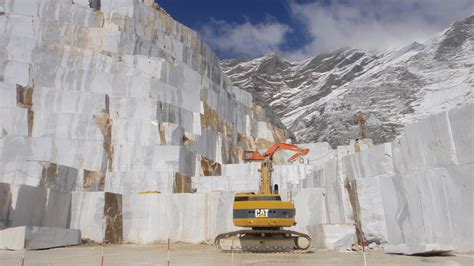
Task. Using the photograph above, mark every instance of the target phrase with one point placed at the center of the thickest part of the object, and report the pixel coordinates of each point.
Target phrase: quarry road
(200, 254)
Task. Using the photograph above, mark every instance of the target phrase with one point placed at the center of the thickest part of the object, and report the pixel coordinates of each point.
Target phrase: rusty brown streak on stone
(104, 122)
(105, 125)
(24, 99)
(351, 188)
(161, 128)
(31, 119)
(94, 180)
(210, 167)
(48, 173)
(182, 183)
(113, 218)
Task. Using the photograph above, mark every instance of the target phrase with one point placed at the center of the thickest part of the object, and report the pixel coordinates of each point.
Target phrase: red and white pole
(363, 251)
(169, 252)
(102, 255)
(23, 253)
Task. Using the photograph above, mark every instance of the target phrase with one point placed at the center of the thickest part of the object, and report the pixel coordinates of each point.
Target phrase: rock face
(110, 96)
(317, 99)
(115, 96)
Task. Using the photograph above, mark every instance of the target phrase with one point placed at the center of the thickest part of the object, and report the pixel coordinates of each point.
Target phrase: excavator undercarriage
(263, 241)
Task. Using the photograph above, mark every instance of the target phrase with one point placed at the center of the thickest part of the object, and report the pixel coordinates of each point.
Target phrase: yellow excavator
(264, 213)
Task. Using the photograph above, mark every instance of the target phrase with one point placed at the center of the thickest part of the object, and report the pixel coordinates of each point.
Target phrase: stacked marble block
(35, 217)
(415, 194)
(185, 217)
(98, 215)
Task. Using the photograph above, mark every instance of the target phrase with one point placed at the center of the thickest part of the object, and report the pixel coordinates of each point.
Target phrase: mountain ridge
(317, 98)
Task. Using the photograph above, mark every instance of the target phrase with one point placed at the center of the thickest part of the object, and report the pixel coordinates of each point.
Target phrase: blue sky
(303, 28)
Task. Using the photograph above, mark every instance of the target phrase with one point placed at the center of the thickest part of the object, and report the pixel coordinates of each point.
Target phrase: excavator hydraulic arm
(257, 156)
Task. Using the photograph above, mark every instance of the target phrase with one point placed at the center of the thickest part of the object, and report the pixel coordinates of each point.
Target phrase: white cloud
(246, 38)
(367, 24)
(374, 24)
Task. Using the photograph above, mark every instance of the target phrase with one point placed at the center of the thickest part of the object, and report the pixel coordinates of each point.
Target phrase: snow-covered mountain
(317, 99)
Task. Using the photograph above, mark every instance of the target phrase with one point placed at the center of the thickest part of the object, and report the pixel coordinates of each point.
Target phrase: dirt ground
(186, 254)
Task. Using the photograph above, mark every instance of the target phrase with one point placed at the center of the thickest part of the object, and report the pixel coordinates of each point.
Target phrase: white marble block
(338, 237)
(371, 211)
(220, 214)
(98, 215)
(461, 121)
(34, 237)
(416, 212)
(157, 217)
(27, 205)
(310, 207)
(429, 143)
(206, 184)
(459, 185)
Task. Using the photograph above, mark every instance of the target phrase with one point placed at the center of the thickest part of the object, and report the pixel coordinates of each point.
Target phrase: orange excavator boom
(256, 156)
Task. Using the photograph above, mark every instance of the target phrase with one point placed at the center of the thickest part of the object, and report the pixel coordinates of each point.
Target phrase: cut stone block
(459, 184)
(27, 206)
(462, 128)
(310, 207)
(314, 180)
(220, 214)
(339, 237)
(416, 210)
(429, 143)
(289, 176)
(98, 215)
(205, 184)
(141, 181)
(369, 163)
(33, 237)
(319, 152)
(157, 217)
(5, 201)
(334, 204)
(371, 210)
(56, 210)
(23, 205)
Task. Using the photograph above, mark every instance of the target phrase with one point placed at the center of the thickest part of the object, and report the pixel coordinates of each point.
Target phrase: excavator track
(263, 241)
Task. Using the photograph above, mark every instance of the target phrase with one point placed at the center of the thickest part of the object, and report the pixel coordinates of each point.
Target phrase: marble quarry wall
(118, 124)
(123, 99)
(116, 97)
(416, 193)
